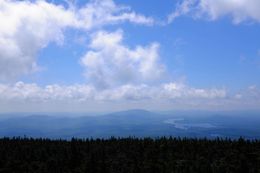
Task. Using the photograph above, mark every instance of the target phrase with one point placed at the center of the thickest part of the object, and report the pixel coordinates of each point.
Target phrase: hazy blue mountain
(139, 123)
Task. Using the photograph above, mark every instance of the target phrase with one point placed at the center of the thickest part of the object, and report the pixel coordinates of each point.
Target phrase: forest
(129, 155)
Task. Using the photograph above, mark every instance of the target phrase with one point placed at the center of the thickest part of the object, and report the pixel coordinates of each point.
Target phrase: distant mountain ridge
(132, 112)
(135, 122)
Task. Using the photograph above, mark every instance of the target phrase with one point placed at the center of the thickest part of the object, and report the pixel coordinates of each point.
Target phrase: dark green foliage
(165, 155)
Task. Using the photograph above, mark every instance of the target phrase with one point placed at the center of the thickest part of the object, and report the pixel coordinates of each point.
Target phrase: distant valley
(138, 123)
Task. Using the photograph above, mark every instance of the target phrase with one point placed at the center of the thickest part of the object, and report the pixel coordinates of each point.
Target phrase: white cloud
(249, 97)
(97, 13)
(111, 63)
(166, 96)
(238, 10)
(33, 92)
(238, 96)
(176, 90)
(182, 8)
(252, 87)
(76, 92)
(27, 27)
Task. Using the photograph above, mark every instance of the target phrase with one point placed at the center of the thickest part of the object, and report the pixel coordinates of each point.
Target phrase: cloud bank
(84, 97)
(87, 96)
(31, 91)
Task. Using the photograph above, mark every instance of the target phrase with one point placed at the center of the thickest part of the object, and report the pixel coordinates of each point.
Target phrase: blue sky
(113, 55)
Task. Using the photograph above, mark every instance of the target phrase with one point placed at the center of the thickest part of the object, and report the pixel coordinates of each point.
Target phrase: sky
(110, 55)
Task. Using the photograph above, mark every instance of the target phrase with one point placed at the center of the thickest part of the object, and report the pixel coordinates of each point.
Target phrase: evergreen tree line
(129, 155)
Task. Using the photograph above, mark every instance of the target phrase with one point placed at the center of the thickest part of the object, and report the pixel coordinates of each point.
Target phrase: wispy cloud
(182, 8)
(238, 10)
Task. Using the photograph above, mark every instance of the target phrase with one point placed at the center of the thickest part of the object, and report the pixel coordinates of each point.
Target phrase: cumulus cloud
(238, 10)
(176, 90)
(32, 97)
(33, 92)
(111, 63)
(27, 27)
(22, 96)
(116, 72)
